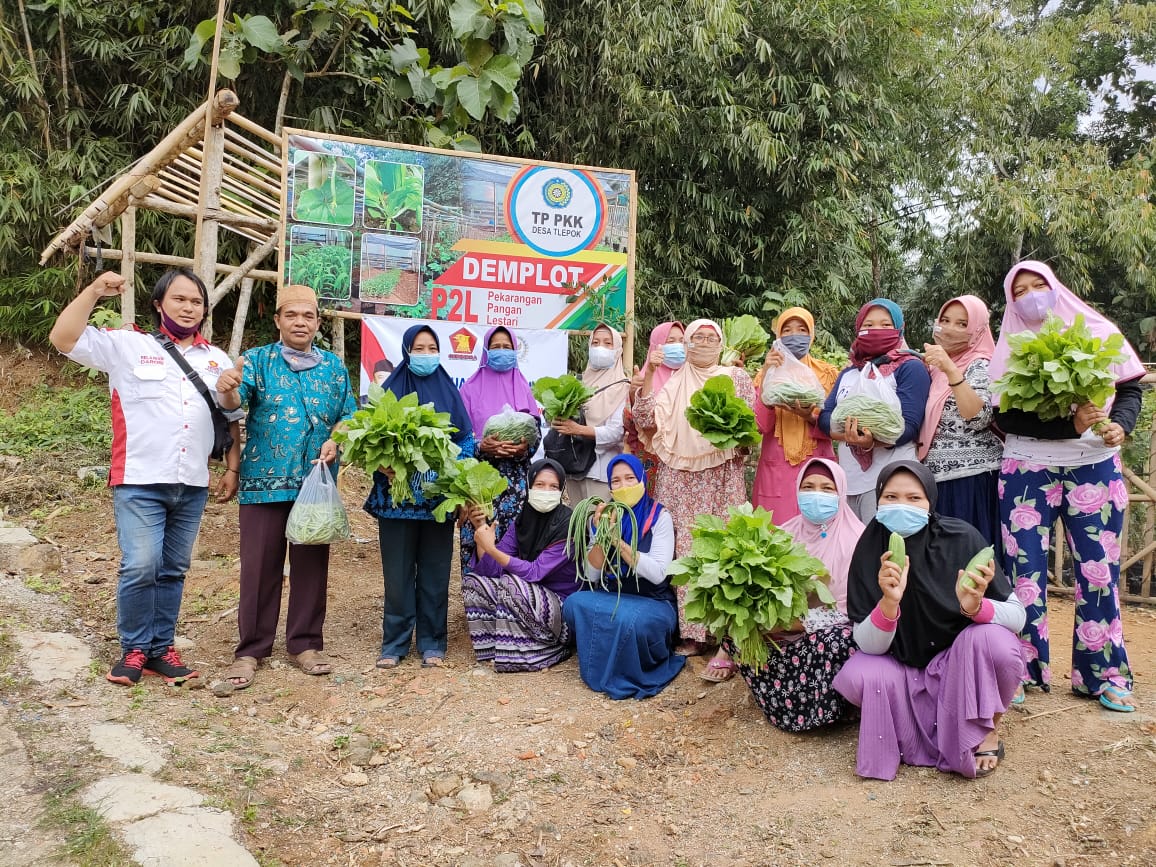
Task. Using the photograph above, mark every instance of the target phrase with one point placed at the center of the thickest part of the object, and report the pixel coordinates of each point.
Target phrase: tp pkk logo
(555, 212)
(463, 342)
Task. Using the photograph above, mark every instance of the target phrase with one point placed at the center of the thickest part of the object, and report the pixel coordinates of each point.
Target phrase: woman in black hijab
(936, 673)
(515, 586)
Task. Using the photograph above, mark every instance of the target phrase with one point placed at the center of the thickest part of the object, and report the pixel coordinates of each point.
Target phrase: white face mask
(543, 501)
(601, 358)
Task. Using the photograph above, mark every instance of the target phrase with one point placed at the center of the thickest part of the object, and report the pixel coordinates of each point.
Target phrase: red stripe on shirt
(119, 442)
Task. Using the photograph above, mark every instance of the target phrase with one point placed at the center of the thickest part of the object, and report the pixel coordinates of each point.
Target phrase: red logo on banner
(497, 271)
(462, 343)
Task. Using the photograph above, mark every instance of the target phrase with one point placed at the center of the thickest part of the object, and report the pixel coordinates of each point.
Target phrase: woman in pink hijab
(1067, 468)
(794, 687)
(956, 441)
(666, 355)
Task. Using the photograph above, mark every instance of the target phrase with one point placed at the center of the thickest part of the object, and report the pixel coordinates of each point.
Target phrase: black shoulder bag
(575, 454)
(222, 439)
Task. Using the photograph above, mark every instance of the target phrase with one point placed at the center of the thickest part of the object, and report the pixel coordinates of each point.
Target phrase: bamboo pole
(254, 258)
(338, 328)
(156, 203)
(128, 265)
(207, 237)
(256, 129)
(1150, 523)
(179, 261)
(242, 314)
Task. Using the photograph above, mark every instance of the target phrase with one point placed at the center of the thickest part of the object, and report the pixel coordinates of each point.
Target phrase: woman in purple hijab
(496, 386)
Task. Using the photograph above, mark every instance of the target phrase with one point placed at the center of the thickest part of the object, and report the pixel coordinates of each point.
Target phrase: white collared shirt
(162, 431)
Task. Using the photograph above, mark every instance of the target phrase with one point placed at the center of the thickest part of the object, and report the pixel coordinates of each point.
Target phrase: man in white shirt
(162, 437)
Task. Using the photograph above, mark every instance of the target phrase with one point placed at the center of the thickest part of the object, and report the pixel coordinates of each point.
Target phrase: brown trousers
(262, 530)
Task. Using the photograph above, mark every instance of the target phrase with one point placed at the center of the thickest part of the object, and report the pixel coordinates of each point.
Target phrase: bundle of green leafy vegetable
(743, 337)
(1054, 370)
(511, 426)
(884, 421)
(746, 578)
(790, 393)
(317, 523)
(561, 397)
(464, 483)
(723, 419)
(402, 435)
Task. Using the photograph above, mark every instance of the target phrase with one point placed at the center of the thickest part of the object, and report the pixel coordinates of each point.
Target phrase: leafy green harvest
(585, 533)
(724, 420)
(400, 435)
(790, 393)
(743, 337)
(561, 396)
(511, 426)
(1052, 371)
(746, 577)
(466, 482)
(883, 421)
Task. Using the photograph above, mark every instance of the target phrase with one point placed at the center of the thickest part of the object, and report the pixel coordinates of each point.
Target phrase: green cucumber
(898, 550)
(983, 558)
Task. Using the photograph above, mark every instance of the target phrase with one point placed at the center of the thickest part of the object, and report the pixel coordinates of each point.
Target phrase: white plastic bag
(318, 517)
(792, 383)
(874, 402)
(512, 426)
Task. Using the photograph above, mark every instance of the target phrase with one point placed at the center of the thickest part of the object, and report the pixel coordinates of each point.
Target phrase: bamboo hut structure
(217, 169)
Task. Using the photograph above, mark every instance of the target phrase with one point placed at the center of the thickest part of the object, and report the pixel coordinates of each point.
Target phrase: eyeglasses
(705, 341)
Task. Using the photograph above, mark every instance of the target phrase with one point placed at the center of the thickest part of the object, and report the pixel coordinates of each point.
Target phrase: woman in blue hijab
(626, 625)
(415, 549)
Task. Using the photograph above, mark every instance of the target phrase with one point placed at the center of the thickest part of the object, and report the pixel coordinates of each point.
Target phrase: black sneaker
(127, 672)
(169, 666)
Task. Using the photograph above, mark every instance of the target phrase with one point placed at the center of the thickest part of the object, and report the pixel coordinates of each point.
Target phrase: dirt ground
(694, 776)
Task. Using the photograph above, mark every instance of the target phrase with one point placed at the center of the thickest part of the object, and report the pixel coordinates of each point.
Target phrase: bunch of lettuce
(401, 435)
(464, 483)
(1054, 370)
(743, 337)
(884, 421)
(561, 397)
(746, 578)
(723, 419)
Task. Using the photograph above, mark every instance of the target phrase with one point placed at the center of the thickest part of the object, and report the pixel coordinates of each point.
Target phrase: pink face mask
(1033, 307)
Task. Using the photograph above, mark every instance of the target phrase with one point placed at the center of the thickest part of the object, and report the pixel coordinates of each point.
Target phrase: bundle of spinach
(747, 578)
(723, 419)
(743, 337)
(1054, 370)
(561, 397)
(400, 435)
(464, 483)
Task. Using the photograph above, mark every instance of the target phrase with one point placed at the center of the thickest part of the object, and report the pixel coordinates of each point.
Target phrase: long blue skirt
(628, 652)
(974, 499)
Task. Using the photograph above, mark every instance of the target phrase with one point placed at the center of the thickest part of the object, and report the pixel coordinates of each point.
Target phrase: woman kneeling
(514, 590)
(935, 677)
(625, 625)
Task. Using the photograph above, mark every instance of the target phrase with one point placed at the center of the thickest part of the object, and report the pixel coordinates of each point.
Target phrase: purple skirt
(936, 716)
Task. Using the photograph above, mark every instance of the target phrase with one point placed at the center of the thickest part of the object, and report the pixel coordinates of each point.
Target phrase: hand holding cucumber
(893, 567)
(973, 580)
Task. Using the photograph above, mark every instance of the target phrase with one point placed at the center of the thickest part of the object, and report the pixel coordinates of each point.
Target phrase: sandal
(1020, 697)
(433, 660)
(1117, 698)
(718, 670)
(387, 662)
(314, 662)
(243, 669)
(997, 754)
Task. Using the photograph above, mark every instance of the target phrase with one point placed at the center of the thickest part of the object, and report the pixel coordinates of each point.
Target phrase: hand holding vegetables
(972, 581)
(571, 428)
(893, 568)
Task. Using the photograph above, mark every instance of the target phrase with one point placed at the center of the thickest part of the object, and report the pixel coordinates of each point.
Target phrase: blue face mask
(424, 365)
(797, 344)
(902, 519)
(502, 360)
(818, 507)
(673, 355)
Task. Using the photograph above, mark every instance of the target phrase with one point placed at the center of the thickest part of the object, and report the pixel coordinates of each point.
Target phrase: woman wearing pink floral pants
(1067, 468)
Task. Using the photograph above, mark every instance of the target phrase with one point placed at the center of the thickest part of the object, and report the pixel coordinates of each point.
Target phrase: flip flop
(718, 671)
(997, 754)
(1120, 695)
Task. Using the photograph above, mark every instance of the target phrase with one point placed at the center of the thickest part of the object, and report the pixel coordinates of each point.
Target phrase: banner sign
(540, 353)
(397, 230)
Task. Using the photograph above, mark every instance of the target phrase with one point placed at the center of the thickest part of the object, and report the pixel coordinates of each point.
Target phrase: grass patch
(88, 840)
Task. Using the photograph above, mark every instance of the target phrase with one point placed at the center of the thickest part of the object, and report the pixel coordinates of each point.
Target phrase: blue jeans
(156, 526)
(415, 563)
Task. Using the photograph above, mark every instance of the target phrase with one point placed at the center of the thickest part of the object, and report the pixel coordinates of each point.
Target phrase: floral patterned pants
(1091, 501)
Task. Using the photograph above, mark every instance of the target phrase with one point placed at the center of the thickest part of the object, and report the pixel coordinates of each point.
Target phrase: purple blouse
(552, 569)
